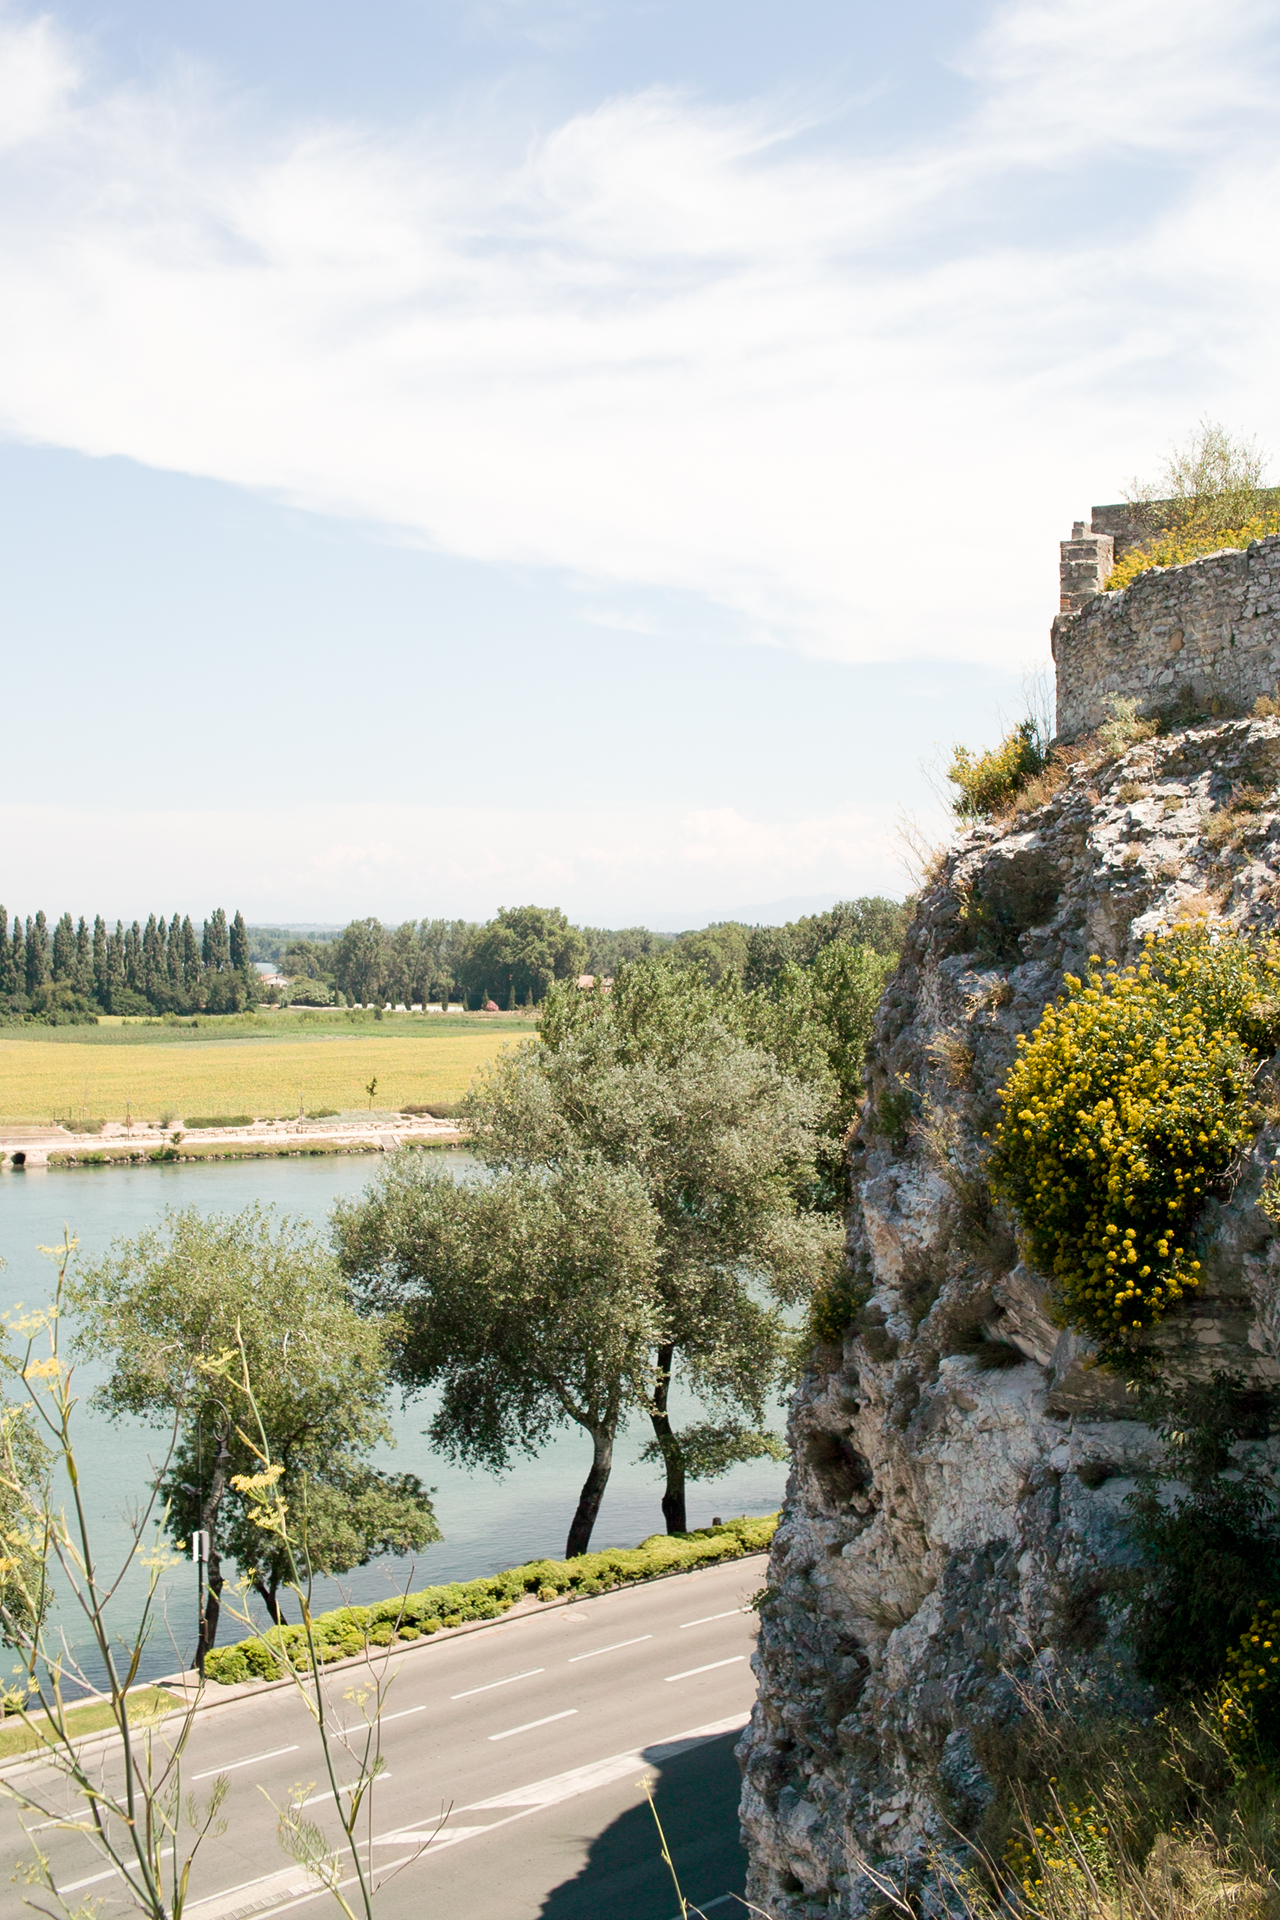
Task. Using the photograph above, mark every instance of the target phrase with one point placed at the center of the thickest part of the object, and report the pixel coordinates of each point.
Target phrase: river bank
(32, 1148)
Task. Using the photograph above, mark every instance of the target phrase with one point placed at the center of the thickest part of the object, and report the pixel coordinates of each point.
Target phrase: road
(530, 1737)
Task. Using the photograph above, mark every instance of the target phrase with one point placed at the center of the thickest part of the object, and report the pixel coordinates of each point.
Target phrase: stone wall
(959, 1478)
(1210, 630)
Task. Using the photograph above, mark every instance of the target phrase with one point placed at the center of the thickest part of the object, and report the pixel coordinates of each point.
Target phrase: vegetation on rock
(1123, 1109)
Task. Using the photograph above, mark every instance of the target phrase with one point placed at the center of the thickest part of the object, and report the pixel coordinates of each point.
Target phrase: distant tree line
(74, 972)
(513, 960)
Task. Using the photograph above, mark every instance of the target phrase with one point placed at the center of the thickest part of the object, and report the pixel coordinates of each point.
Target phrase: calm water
(488, 1522)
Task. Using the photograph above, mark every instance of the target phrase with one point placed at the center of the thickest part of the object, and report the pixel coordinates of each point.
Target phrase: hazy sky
(456, 454)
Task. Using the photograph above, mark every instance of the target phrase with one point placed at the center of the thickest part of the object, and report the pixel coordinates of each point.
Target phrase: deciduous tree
(158, 1306)
(657, 1078)
(530, 1300)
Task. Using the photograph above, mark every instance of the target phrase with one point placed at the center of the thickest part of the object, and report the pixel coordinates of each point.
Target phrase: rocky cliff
(959, 1469)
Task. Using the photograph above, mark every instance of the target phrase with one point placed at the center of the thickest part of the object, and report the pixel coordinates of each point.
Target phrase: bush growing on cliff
(1123, 1109)
(1211, 494)
(988, 783)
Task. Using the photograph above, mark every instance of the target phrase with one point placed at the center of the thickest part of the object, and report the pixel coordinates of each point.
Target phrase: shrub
(1207, 1531)
(347, 1630)
(989, 782)
(1191, 542)
(1121, 1112)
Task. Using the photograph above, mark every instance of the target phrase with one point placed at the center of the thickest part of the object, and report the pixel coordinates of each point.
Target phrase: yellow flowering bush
(1122, 1109)
(1249, 1697)
(1073, 1848)
(1188, 542)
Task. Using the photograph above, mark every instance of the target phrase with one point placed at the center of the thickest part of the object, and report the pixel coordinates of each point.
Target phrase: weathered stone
(948, 1528)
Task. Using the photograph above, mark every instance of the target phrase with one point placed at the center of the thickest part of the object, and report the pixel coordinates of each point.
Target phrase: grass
(267, 1074)
(16, 1738)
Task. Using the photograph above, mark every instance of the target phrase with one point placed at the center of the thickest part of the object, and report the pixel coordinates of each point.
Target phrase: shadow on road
(696, 1794)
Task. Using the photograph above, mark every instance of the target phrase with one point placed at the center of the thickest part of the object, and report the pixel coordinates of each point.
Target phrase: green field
(264, 1066)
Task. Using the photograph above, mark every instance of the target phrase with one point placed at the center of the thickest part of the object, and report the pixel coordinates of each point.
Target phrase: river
(488, 1521)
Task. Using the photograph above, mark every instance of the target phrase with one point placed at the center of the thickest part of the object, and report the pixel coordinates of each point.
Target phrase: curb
(259, 1689)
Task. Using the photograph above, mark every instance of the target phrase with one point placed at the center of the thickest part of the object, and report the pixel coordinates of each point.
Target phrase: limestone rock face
(959, 1469)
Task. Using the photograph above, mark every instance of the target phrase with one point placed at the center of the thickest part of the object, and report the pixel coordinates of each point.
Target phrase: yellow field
(45, 1080)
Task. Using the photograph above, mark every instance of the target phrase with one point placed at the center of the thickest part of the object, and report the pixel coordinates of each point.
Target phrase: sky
(460, 454)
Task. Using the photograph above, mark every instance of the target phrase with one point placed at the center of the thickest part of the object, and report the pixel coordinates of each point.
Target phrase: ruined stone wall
(959, 1472)
(1210, 629)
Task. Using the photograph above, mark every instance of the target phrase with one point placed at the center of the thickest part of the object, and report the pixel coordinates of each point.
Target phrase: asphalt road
(528, 1740)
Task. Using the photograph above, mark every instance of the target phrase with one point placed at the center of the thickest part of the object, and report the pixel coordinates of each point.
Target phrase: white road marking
(709, 1668)
(404, 1713)
(351, 1788)
(595, 1651)
(489, 1685)
(529, 1725)
(706, 1620)
(112, 1873)
(295, 1891)
(252, 1761)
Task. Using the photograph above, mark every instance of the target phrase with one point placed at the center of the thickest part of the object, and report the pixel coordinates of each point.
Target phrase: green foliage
(716, 950)
(711, 1450)
(657, 1078)
(1210, 495)
(345, 1630)
(836, 1306)
(520, 953)
(164, 1307)
(24, 1468)
(989, 782)
(529, 1299)
(1211, 1548)
(1122, 1110)
(817, 1021)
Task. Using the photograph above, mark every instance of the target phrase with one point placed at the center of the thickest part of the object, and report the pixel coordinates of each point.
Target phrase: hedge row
(349, 1630)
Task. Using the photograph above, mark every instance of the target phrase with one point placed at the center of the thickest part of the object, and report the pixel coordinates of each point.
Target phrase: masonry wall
(1210, 628)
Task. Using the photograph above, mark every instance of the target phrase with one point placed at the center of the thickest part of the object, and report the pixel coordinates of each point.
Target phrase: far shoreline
(36, 1149)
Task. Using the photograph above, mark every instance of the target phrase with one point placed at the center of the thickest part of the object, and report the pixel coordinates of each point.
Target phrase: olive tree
(165, 1308)
(656, 1078)
(530, 1300)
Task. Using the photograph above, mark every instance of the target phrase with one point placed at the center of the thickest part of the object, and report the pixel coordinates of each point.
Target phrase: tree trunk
(268, 1596)
(212, 1604)
(673, 1506)
(592, 1492)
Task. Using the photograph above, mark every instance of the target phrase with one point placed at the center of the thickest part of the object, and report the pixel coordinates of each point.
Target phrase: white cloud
(328, 861)
(850, 396)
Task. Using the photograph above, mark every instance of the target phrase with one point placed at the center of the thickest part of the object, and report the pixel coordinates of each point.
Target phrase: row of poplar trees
(72, 970)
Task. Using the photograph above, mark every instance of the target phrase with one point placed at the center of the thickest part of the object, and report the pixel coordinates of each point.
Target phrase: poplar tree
(239, 944)
(18, 957)
(64, 949)
(116, 980)
(83, 974)
(190, 956)
(8, 981)
(101, 975)
(133, 958)
(153, 967)
(173, 954)
(37, 952)
(215, 947)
